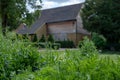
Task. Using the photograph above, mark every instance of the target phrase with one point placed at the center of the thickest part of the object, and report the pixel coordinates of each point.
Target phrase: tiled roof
(59, 14)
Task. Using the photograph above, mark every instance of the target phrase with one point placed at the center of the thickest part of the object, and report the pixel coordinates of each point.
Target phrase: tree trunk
(4, 24)
(4, 6)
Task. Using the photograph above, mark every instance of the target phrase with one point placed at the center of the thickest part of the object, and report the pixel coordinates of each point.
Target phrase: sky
(46, 4)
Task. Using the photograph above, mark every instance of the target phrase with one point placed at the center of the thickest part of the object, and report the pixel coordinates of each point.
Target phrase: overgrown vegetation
(49, 42)
(88, 48)
(66, 44)
(35, 38)
(72, 65)
(15, 12)
(16, 57)
(50, 39)
(19, 61)
(43, 39)
(99, 40)
(102, 16)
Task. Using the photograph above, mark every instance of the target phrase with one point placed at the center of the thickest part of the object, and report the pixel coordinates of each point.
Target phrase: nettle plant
(16, 57)
(87, 47)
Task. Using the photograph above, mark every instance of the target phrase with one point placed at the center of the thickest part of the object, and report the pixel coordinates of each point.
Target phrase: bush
(99, 40)
(15, 58)
(27, 75)
(50, 39)
(42, 44)
(80, 44)
(23, 62)
(35, 38)
(69, 65)
(55, 46)
(42, 39)
(66, 44)
(11, 35)
(49, 45)
(87, 47)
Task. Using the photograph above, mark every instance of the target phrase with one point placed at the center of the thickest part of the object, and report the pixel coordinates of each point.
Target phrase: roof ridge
(63, 6)
(64, 13)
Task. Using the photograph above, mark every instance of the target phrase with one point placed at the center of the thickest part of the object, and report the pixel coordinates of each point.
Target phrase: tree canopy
(14, 12)
(103, 17)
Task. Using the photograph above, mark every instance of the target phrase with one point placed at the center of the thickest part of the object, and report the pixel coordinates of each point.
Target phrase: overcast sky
(57, 3)
(46, 4)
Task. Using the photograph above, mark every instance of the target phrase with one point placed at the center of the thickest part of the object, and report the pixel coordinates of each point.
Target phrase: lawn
(112, 54)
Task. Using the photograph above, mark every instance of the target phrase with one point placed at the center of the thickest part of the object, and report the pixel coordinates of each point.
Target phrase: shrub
(69, 65)
(25, 37)
(80, 44)
(87, 47)
(22, 37)
(49, 45)
(27, 75)
(15, 58)
(66, 44)
(50, 39)
(23, 62)
(55, 46)
(35, 38)
(11, 35)
(42, 39)
(99, 40)
(42, 44)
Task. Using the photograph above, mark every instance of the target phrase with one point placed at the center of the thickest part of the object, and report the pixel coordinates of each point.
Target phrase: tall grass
(19, 61)
(74, 65)
(16, 57)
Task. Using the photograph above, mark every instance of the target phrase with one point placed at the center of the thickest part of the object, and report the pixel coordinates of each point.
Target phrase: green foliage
(55, 46)
(35, 38)
(103, 17)
(66, 44)
(11, 35)
(49, 45)
(42, 45)
(88, 48)
(42, 39)
(70, 65)
(80, 44)
(99, 40)
(25, 76)
(15, 12)
(16, 57)
(23, 62)
(50, 39)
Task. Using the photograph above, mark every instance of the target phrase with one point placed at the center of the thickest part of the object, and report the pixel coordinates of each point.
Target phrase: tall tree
(103, 17)
(14, 11)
